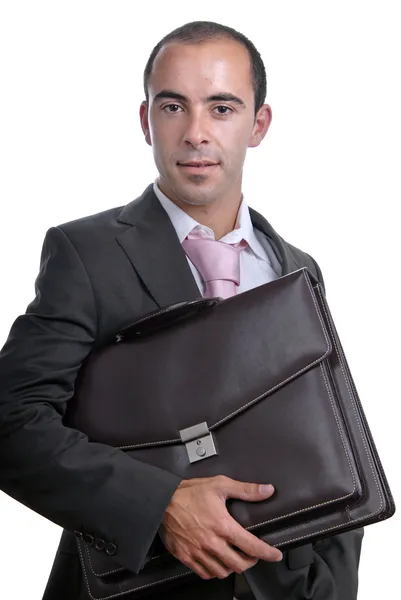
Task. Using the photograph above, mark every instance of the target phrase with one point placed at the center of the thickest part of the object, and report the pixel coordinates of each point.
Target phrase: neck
(220, 216)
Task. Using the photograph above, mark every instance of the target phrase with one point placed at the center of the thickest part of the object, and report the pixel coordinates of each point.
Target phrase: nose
(197, 132)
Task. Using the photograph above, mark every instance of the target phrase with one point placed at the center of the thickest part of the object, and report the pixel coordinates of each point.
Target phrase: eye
(223, 110)
(171, 108)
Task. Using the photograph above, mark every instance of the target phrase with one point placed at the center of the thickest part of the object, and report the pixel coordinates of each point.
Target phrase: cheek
(235, 139)
(235, 148)
(163, 138)
(163, 154)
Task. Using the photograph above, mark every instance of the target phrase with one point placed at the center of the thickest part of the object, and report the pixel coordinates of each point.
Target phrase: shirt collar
(184, 224)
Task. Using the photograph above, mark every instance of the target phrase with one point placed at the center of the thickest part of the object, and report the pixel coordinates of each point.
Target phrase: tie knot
(217, 262)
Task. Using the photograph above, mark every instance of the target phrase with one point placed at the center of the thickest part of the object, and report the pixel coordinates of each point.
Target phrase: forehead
(201, 68)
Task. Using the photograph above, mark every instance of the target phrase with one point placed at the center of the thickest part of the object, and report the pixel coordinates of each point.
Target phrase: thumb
(251, 492)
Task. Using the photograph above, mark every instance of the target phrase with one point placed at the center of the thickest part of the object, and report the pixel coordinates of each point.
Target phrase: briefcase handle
(164, 317)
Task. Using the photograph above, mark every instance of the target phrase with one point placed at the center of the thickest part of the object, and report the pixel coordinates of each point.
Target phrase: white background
(326, 176)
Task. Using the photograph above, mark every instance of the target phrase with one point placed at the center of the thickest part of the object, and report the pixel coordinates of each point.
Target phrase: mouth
(198, 166)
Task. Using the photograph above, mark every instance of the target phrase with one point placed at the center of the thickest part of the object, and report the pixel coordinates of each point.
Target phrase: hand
(198, 529)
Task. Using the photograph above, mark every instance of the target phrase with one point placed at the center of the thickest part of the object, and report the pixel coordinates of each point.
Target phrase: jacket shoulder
(303, 259)
(285, 251)
(94, 233)
(103, 219)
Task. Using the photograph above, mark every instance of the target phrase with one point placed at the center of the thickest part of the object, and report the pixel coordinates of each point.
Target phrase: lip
(198, 163)
(198, 167)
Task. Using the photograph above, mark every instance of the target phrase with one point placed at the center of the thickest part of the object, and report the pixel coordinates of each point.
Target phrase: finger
(215, 566)
(250, 492)
(195, 565)
(198, 568)
(235, 559)
(230, 558)
(251, 545)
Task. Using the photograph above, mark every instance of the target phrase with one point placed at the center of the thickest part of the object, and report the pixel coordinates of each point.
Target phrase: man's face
(200, 119)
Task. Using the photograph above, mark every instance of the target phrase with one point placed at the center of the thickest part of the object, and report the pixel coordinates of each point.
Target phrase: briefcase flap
(208, 368)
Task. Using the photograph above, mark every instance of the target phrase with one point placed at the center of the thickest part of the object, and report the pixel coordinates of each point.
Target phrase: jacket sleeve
(54, 470)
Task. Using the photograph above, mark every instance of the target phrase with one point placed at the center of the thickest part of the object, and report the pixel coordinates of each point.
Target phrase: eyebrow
(222, 97)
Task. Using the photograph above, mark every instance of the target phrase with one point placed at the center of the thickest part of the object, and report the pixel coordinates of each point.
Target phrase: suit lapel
(280, 248)
(152, 246)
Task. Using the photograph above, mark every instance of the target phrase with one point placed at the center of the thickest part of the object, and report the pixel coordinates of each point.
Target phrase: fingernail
(279, 558)
(266, 489)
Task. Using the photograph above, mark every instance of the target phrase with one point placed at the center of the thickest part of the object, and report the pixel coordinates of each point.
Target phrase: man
(205, 89)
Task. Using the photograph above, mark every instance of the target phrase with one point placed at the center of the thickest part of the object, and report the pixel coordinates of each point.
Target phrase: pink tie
(217, 262)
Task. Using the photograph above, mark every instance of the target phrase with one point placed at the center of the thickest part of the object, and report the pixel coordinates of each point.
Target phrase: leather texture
(266, 371)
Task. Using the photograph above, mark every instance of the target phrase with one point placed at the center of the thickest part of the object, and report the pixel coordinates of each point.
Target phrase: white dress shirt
(255, 267)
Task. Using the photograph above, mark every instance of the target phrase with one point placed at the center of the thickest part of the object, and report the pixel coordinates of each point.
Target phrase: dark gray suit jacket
(97, 275)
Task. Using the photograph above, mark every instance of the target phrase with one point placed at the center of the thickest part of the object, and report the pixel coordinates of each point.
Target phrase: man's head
(205, 86)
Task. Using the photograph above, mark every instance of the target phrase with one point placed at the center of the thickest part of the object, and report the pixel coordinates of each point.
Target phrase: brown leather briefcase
(255, 387)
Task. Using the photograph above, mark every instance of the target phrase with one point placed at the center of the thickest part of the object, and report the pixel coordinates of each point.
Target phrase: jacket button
(99, 544)
(89, 539)
(111, 549)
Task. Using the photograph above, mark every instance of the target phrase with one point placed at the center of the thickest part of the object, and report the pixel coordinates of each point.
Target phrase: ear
(143, 114)
(262, 123)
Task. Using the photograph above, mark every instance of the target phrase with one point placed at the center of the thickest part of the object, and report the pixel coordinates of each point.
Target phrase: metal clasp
(198, 441)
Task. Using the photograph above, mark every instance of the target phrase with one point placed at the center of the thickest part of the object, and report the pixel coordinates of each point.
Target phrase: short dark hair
(203, 31)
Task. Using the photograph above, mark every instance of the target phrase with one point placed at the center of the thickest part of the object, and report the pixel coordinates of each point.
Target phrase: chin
(197, 197)
(199, 201)
(195, 191)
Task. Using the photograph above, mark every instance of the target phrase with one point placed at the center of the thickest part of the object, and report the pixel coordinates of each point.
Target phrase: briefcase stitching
(326, 501)
(135, 589)
(251, 527)
(353, 404)
(361, 432)
(118, 570)
(362, 436)
(235, 412)
(248, 528)
(251, 402)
